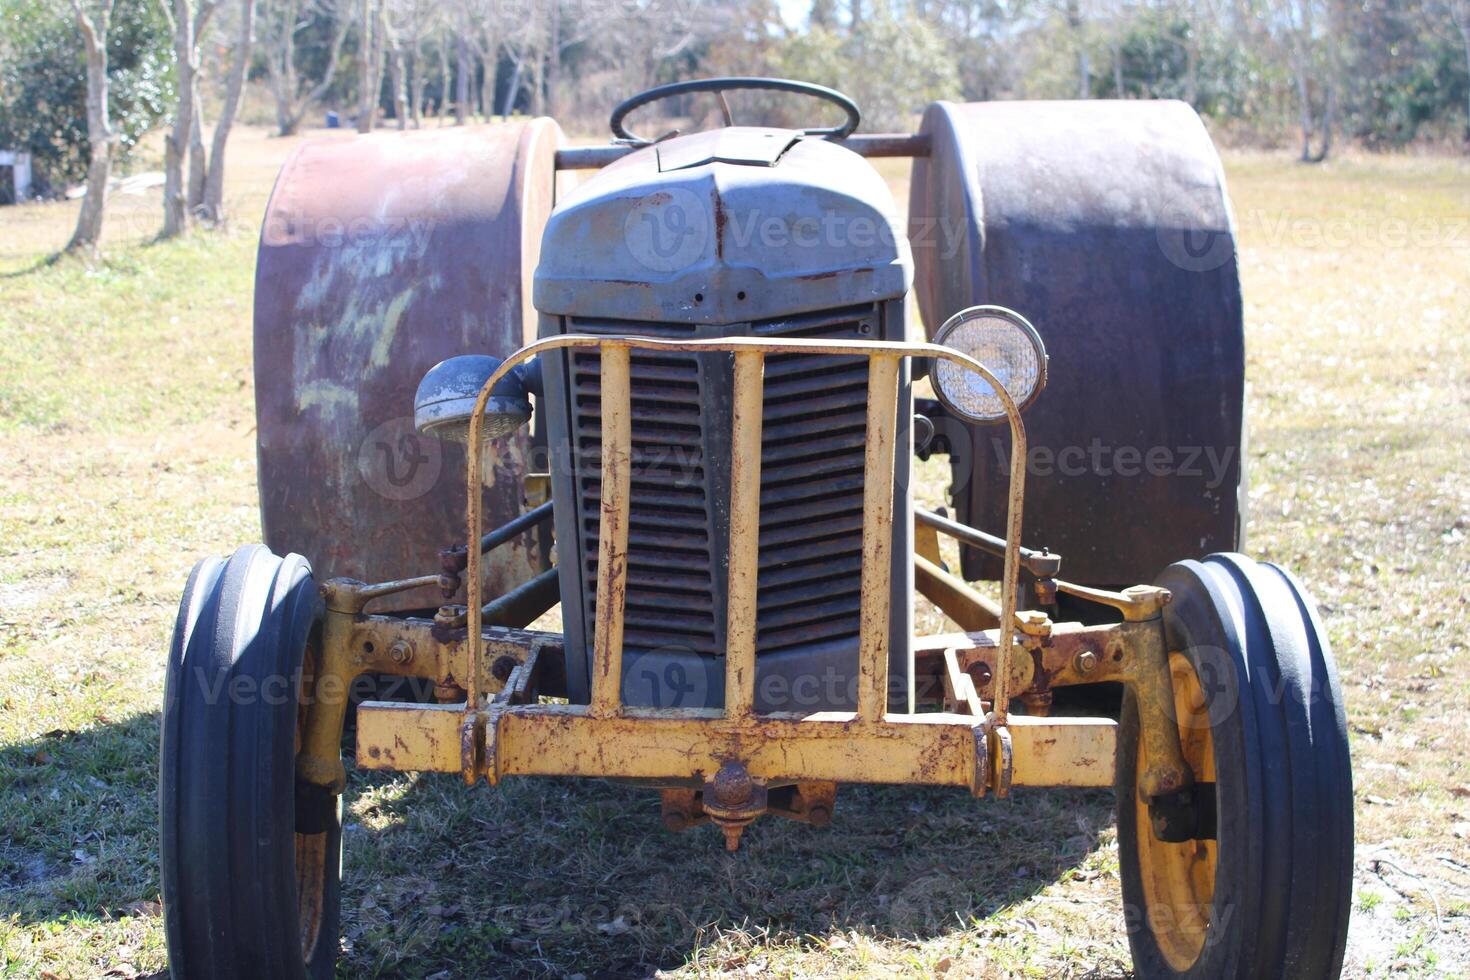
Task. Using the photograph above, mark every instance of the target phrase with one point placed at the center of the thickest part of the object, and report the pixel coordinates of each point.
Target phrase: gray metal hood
(726, 226)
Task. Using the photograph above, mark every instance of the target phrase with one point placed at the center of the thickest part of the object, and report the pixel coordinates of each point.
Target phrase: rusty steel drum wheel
(379, 257)
(1261, 884)
(251, 868)
(1107, 224)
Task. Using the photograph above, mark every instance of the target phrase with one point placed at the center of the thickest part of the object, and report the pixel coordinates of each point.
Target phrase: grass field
(126, 430)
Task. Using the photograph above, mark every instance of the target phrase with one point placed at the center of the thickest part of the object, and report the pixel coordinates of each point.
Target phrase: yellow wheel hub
(1179, 879)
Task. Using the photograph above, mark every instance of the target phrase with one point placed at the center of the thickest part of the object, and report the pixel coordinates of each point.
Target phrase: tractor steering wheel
(722, 85)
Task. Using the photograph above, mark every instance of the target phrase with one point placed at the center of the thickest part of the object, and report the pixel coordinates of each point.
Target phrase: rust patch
(721, 219)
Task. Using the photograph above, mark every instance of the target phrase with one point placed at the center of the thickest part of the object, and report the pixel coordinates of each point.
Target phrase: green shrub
(43, 83)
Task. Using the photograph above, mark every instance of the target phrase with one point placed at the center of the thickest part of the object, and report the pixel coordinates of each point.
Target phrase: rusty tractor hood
(726, 226)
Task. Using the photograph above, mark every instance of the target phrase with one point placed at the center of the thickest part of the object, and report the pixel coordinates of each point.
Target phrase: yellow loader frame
(732, 764)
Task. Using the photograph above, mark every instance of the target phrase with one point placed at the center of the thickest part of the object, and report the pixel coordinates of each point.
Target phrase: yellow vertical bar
(612, 532)
(877, 537)
(745, 510)
(1000, 706)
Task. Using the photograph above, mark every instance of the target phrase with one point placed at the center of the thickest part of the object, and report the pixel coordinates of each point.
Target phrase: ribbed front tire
(1261, 722)
(245, 894)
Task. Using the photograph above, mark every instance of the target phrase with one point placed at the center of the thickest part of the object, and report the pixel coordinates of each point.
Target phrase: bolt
(980, 674)
(732, 831)
(401, 652)
(1086, 662)
(1037, 703)
(1034, 623)
(448, 586)
(733, 786)
(454, 559)
(502, 667)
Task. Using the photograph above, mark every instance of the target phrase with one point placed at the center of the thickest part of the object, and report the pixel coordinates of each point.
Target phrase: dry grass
(126, 423)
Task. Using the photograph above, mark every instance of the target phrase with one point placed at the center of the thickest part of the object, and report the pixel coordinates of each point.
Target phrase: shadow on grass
(551, 877)
(78, 830)
(99, 256)
(44, 262)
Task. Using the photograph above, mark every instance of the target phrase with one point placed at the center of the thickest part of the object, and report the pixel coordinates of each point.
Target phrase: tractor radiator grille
(814, 426)
(671, 601)
(812, 434)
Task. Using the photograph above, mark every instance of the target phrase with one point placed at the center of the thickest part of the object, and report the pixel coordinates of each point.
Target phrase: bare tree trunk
(286, 122)
(1329, 110)
(198, 159)
(444, 76)
(1334, 80)
(1460, 14)
(461, 80)
(1304, 110)
(508, 105)
(538, 83)
(398, 83)
(1325, 146)
(1191, 58)
(370, 63)
(417, 79)
(94, 28)
(187, 26)
(214, 185)
(279, 40)
(553, 60)
(1084, 67)
(1300, 67)
(487, 86)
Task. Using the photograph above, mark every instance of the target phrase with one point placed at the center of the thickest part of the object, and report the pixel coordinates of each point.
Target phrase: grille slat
(786, 638)
(842, 402)
(788, 370)
(806, 514)
(810, 530)
(799, 573)
(773, 498)
(784, 445)
(642, 616)
(806, 470)
(677, 561)
(664, 542)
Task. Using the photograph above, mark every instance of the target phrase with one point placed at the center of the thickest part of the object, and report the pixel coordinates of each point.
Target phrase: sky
(794, 11)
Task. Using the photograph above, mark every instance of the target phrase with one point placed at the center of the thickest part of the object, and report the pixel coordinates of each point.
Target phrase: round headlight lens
(1006, 345)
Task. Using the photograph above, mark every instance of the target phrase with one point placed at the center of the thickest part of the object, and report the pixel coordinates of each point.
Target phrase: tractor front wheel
(250, 866)
(1260, 884)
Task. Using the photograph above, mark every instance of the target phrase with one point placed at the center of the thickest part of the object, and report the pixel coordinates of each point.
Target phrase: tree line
(81, 82)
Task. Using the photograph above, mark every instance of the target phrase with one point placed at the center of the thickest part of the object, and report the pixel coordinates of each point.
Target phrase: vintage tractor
(711, 337)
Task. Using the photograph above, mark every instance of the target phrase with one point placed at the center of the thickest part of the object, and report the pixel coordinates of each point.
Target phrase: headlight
(446, 399)
(1006, 345)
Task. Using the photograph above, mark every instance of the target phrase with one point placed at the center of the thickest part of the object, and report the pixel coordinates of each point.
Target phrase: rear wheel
(250, 867)
(1262, 888)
